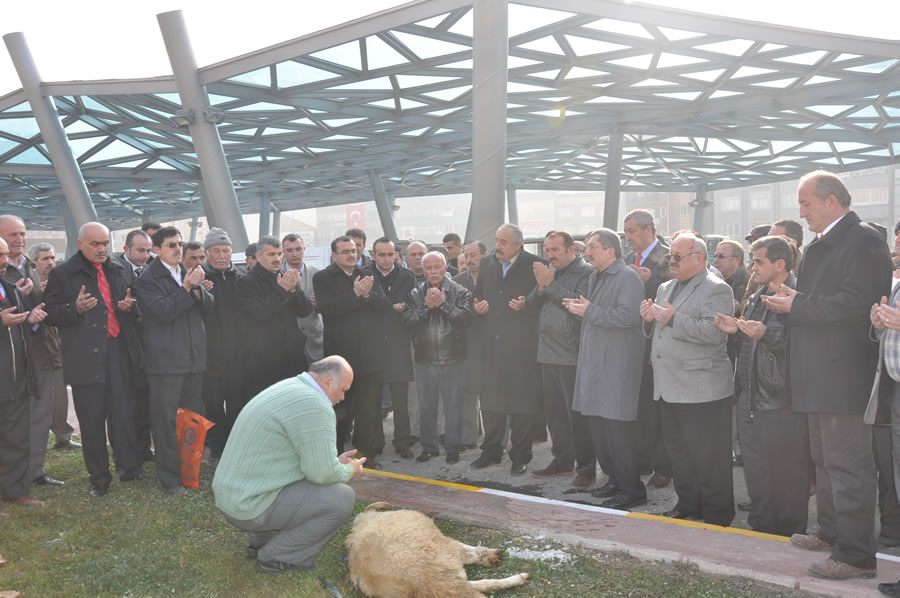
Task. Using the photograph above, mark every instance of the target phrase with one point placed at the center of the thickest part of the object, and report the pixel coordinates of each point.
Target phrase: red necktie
(637, 260)
(112, 324)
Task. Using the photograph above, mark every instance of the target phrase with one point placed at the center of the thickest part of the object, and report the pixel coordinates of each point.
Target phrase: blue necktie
(506, 267)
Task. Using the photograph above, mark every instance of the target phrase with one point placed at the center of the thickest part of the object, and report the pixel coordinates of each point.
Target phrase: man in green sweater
(280, 478)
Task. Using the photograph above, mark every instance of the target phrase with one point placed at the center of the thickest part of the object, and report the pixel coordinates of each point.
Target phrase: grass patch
(138, 541)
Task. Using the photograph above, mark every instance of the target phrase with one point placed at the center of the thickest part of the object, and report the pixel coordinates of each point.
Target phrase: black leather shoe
(143, 476)
(99, 490)
(624, 501)
(149, 457)
(278, 567)
(405, 453)
(676, 514)
(890, 589)
(371, 463)
(251, 551)
(518, 469)
(46, 480)
(452, 458)
(485, 461)
(426, 456)
(551, 470)
(607, 490)
(66, 445)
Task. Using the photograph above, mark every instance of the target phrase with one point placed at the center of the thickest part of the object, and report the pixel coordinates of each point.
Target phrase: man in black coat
(511, 382)
(472, 255)
(352, 308)
(648, 259)
(396, 282)
(16, 324)
(272, 302)
(224, 393)
(831, 365)
(86, 298)
(173, 303)
(135, 259)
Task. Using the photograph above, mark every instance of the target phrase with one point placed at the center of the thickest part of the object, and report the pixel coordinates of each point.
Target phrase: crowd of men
(662, 361)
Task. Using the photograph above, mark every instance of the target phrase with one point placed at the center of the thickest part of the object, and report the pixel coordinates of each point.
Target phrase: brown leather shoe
(811, 542)
(658, 480)
(832, 569)
(551, 470)
(27, 501)
(584, 480)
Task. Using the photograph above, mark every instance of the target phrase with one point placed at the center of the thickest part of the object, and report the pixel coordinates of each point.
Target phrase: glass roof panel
(468, 64)
(676, 35)
(29, 156)
(340, 122)
(732, 47)
(806, 59)
(816, 147)
(433, 22)
(584, 46)
(80, 146)
(681, 95)
(546, 45)
(875, 68)
(722, 93)
(160, 165)
(260, 107)
(819, 79)
(170, 97)
(779, 83)
(380, 55)
(867, 112)
(215, 99)
(667, 59)
(708, 76)
(829, 110)
(577, 72)
(464, 26)
(261, 77)
(407, 81)
(7, 144)
(378, 83)
(344, 55)
(78, 126)
(291, 74)
(621, 27)
(527, 18)
(635, 62)
(116, 149)
(751, 71)
(771, 47)
(425, 47)
(448, 95)
(131, 164)
(20, 127)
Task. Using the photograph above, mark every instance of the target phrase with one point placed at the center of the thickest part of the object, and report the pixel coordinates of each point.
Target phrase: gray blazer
(611, 354)
(689, 358)
(872, 408)
(310, 325)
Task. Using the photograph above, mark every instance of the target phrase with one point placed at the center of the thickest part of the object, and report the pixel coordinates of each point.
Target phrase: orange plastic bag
(190, 429)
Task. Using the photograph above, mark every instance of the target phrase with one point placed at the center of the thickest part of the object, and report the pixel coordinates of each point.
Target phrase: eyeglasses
(174, 244)
(677, 257)
(722, 256)
(346, 252)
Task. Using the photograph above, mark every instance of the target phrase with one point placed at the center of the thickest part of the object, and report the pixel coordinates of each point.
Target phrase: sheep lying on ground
(402, 554)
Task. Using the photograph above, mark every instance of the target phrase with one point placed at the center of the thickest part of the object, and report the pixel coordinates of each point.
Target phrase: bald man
(87, 299)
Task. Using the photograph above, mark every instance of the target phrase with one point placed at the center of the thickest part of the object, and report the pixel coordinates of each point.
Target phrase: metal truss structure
(661, 100)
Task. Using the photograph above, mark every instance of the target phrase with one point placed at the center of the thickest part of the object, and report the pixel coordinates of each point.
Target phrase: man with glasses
(693, 382)
(352, 308)
(173, 305)
(729, 260)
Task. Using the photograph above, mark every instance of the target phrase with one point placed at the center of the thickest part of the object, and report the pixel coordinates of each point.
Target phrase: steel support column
(489, 53)
(276, 222)
(512, 206)
(892, 197)
(210, 155)
(265, 214)
(385, 212)
(195, 224)
(70, 178)
(700, 203)
(71, 227)
(613, 182)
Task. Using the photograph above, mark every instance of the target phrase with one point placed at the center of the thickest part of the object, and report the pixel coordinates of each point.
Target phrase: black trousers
(14, 447)
(888, 507)
(400, 404)
(362, 414)
(224, 395)
(775, 446)
(111, 400)
(617, 453)
(841, 447)
(520, 435)
(698, 440)
(142, 414)
(569, 430)
(652, 453)
(168, 393)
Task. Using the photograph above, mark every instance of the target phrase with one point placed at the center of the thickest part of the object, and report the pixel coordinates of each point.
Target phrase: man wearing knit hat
(224, 393)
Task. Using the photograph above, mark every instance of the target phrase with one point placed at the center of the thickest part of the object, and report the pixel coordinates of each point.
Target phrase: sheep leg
(492, 585)
(481, 555)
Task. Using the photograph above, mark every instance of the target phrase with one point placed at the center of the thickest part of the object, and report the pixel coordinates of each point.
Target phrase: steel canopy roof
(700, 100)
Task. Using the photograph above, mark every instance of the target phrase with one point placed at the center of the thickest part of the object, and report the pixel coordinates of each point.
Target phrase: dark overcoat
(353, 325)
(16, 373)
(511, 380)
(276, 342)
(831, 361)
(83, 336)
(473, 337)
(396, 335)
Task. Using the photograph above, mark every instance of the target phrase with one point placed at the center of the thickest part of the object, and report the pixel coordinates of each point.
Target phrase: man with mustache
(86, 298)
(173, 304)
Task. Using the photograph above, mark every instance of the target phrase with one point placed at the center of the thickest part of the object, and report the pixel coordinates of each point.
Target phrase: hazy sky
(100, 39)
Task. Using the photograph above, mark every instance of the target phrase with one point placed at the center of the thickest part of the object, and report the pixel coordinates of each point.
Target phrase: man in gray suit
(311, 325)
(692, 378)
(610, 364)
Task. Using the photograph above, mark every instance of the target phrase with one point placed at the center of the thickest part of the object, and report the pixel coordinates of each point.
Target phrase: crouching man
(280, 478)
